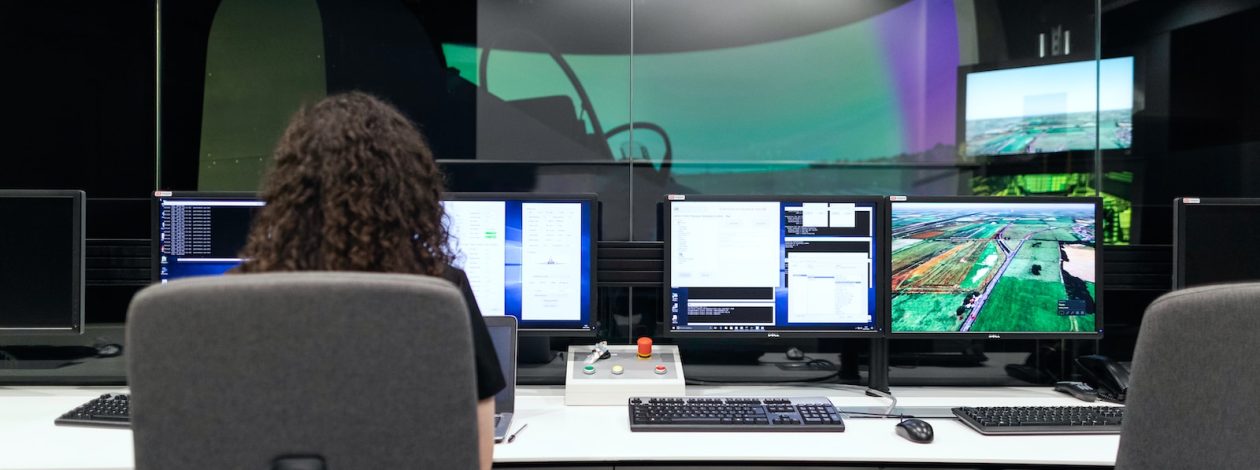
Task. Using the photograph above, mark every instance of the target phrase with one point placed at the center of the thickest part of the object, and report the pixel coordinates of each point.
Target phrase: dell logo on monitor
(772, 335)
(995, 336)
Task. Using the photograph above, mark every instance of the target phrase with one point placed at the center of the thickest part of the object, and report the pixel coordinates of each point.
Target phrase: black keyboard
(719, 414)
(110, 409)
(1043, 419)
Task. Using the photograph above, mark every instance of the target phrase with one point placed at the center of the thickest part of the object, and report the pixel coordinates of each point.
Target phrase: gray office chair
(303, 371)
(1192, 391)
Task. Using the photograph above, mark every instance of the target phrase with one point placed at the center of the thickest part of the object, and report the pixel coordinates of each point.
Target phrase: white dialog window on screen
(828, 287)
(477, 239)
(842, 215)
(551, 261)
(724, 244)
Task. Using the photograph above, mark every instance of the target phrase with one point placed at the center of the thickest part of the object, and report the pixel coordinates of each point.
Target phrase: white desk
(559, 434)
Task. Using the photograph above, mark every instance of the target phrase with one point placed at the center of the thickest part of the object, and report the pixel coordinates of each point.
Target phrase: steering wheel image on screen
(598, 138)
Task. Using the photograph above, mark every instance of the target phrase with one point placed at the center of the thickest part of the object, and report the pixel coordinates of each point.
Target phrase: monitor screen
(770, 267)
(1049, 108)
(503, 336)
(200, 234)
(41, 262)
(995, 265)
(1209, 242)
(527, 256)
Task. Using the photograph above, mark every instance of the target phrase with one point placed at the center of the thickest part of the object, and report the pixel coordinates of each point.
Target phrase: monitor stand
(937, 359)
(534, 350)
(714, 352)
(43, 356)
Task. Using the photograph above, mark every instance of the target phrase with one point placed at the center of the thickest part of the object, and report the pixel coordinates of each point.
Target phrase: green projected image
(822, 97)
(862, 90)
(993, 267)
(1117, 205)
(816, 110)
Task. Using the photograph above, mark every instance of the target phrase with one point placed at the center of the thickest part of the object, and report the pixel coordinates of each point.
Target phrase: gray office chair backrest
(360, 370)
(1192, 391)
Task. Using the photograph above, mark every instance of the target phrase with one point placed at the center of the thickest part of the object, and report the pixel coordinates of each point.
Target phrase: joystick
(599, 351)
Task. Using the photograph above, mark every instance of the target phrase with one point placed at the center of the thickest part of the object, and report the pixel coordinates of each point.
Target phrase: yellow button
(618, 370)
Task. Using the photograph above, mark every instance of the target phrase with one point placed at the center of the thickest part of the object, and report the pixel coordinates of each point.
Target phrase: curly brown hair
(353, 188)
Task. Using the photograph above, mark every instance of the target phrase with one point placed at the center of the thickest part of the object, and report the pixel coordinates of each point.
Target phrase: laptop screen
(503, 335)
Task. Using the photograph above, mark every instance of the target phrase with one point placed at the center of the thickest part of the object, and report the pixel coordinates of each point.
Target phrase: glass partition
(636, 99)
(918, 97)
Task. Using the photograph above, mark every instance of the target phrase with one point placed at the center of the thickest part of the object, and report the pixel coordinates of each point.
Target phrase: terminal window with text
(993, 265)
(741, 266)
(201, 235)
(528, 258)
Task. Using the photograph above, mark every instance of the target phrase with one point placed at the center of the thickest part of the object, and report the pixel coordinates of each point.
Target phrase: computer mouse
(108, 350)
(795, 354)
(915, 430)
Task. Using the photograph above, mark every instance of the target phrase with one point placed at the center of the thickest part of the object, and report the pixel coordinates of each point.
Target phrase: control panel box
(613, 380)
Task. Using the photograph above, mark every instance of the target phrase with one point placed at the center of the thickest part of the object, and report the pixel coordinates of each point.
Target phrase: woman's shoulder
(455, 275)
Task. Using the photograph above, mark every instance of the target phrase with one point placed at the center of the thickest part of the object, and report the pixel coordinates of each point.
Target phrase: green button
(588, 370)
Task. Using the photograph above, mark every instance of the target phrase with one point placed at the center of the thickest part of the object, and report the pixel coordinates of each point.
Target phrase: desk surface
(556, 433)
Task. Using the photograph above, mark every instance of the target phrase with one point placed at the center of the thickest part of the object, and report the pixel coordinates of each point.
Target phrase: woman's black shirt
(489, 375)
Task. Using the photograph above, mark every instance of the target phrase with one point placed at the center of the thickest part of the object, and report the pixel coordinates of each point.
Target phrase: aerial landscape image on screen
(1050, 108)
(993, 267)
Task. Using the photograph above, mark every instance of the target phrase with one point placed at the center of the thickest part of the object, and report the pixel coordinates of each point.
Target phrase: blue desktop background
(177, 270)
(512, 269)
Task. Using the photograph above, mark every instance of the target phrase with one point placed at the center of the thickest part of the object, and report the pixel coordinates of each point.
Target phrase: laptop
(503, 335)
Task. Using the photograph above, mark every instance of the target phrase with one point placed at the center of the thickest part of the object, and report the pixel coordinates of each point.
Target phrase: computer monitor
(773, 266)
(996, 267)
(1046, 108)
(199, 233)
(41, 262)
(1210, 241)
(530, 256)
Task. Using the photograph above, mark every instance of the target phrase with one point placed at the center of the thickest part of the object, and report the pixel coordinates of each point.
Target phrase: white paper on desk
(477, 238)
(551, 261)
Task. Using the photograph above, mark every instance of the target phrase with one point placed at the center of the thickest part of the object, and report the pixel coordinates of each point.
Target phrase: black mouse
(915, 430)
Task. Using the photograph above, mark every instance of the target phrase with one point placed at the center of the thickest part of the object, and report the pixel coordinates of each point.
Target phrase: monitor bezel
(881, 281)
(78, 251)
(1098, 268)
(591, 202)
(1180, 206)
(155, 219)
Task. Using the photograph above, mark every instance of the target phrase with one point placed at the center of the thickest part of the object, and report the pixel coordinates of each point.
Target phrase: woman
(354, 188)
